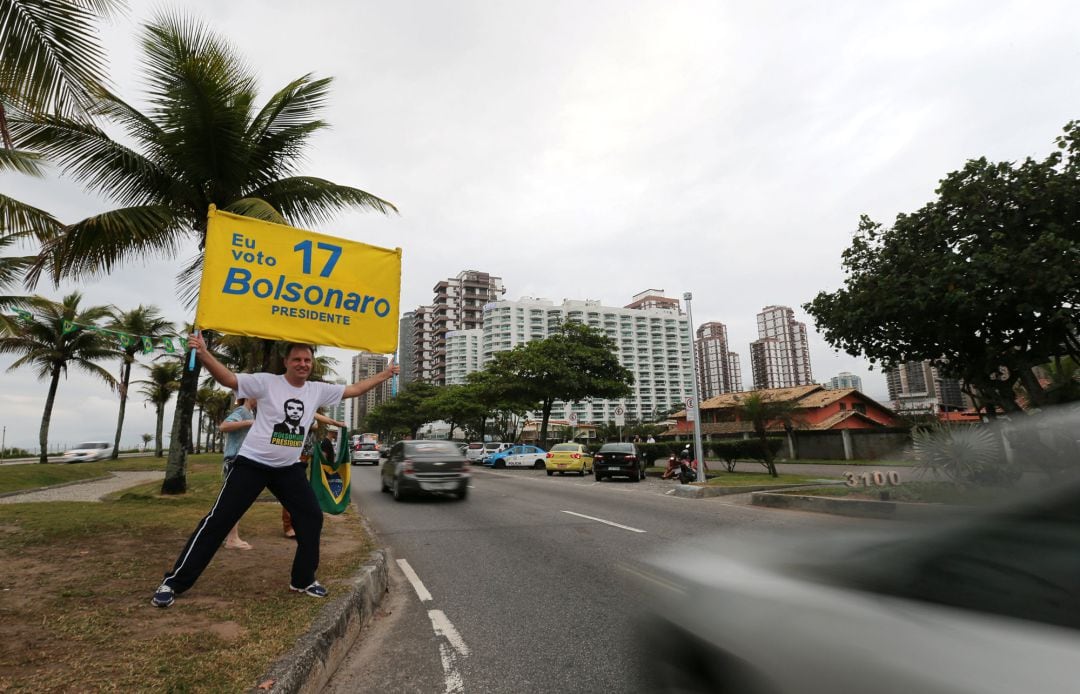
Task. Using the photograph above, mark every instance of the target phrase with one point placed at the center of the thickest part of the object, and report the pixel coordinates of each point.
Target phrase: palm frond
(306, 199)
(256, 208)
(94, 245)
(51, 53)
(27, 163)
(18, 220)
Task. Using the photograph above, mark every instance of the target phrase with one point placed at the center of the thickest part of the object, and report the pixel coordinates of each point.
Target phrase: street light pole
(697, 396)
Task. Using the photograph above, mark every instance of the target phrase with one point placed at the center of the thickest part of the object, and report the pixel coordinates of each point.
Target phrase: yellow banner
(268, 280)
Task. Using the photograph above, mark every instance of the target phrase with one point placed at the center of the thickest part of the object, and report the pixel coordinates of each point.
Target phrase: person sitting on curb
(269, 458)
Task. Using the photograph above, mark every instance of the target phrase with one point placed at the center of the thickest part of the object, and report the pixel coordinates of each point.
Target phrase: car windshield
(492, 446)
(617, 448)
(431, 448)
(368, 447)
(90, 445)
(475, 446)
(565, 447)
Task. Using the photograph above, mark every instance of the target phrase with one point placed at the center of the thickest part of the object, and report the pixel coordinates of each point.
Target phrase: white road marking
(421, 591)
(444, 628)
(606, 522)
(455, 683)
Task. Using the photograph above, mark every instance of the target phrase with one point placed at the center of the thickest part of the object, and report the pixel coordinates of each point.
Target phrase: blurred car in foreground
(364, 453)
(619, 459)
(412, 467)
(89, 451)
(518, 456)
(986, 604)
(568, 457)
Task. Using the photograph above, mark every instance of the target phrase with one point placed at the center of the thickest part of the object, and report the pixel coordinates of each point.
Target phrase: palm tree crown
(51, 340)
(143, 321)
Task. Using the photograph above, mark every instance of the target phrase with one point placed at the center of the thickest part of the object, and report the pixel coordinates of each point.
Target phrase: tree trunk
(46, 417)
(160, 428)
(767, 452)
(545, 414)
(1035, 392)
(125, 376)
(176, 466)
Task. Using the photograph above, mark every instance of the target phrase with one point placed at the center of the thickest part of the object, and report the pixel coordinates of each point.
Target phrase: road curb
(308, 667)
(694, 491)
(859, 508)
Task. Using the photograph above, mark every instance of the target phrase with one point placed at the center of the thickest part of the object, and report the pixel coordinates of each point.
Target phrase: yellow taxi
(568, 457)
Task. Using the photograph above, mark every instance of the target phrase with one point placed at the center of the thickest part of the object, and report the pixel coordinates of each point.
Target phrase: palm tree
(761, 411)
(201, 142)
(163, 382)
(144, 321)
(51, 340)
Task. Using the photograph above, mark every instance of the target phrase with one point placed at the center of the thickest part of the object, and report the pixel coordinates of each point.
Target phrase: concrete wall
(864, 444)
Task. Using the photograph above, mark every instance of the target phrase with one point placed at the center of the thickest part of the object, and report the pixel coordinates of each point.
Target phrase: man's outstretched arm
(361, 387)
(216, 369)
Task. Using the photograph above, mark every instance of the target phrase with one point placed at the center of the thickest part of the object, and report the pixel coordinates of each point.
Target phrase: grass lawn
(33, 475)
(918, 492)
(889, 463)
(75, 611)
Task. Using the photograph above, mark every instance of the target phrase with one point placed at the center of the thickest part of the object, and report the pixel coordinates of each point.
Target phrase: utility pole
(697, 398)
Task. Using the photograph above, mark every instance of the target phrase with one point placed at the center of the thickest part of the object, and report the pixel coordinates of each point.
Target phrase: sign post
(692, 404)
(620, 419)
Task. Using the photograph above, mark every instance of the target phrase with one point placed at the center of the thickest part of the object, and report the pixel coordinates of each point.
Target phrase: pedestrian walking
(269, 458)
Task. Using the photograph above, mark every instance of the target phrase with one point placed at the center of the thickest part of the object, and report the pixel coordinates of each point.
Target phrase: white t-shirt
(285, 414)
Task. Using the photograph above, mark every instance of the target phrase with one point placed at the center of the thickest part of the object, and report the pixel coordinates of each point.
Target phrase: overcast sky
(595, 149)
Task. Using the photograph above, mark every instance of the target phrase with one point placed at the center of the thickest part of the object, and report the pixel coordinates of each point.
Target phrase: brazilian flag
(330, 479)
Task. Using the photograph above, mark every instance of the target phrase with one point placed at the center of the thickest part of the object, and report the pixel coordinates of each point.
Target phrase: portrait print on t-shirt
(290, 432)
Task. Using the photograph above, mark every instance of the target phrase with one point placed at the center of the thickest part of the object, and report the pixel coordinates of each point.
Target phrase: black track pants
(242, 486)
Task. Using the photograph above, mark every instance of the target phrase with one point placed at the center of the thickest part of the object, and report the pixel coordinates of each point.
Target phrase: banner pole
(191, 359)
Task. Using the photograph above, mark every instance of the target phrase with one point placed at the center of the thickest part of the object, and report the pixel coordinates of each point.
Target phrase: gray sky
(595, 149)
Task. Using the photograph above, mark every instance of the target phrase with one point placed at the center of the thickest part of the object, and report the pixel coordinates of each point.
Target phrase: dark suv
(622, 459)
(424, 466)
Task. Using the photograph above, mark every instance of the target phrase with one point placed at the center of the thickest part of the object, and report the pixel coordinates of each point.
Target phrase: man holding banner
(269, 458)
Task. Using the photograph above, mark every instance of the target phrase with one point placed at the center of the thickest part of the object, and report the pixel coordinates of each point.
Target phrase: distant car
(568, 457)
(518, 456)
(491, 448)
(475, 452)
(619, 460)
(88, 452)
(363, 453)
(948, 607)
(412, 467)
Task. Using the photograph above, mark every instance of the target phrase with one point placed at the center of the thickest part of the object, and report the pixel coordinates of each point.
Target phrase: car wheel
(581, 473)
(538, 465)
(598, 478)
(499, 464)
(382, 485)
(463, 492)
(399, 494)
(550, 473)
(636, 477)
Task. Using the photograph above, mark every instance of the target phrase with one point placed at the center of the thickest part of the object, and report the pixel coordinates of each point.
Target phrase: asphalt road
(530, 585)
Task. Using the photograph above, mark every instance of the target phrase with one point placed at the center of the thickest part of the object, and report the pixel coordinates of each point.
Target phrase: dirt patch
(78, 617)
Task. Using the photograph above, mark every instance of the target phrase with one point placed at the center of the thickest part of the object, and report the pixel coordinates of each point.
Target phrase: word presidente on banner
(239, 282)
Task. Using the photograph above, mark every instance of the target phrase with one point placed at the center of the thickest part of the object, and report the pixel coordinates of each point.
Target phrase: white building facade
(464, 351)
(843, 381)
(718, 367)
(652, 343)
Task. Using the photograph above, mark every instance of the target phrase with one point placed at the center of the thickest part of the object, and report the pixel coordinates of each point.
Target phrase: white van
(493, 447)
(474, 452)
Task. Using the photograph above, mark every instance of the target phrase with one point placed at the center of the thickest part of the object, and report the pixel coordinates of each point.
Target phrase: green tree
(51, 341)
(158, 389)
(983, 280)
(146, 439)
(201, 142)
(573, 363)
(456, 405)
(761, 411)
(410, 410)
(143, 321)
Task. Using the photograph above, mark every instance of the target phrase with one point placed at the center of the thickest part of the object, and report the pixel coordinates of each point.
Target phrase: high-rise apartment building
(780, 357)
(406, 353)
(464, 350)
(458, 305)
(718, 368)
(366, 365)
(843, 381)
(653, 343)
(917, 387)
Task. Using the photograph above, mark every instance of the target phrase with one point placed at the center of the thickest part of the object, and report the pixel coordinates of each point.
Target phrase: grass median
(75, 611)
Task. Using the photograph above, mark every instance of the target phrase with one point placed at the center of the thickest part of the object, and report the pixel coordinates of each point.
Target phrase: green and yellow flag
(331, 479)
